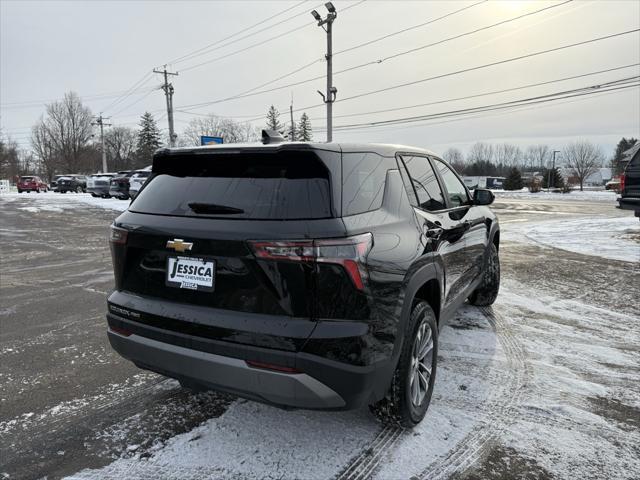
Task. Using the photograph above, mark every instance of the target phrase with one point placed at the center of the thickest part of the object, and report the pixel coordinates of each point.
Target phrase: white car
(137, 180)
(98, 184)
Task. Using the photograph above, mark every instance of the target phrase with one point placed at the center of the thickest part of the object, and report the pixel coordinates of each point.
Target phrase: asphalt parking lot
(545, 384)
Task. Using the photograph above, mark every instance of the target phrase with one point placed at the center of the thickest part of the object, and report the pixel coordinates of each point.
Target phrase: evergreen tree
(148, 140)
(552, 178)
(304, 129)
(623, 145)
(273, 119)
(513, 180)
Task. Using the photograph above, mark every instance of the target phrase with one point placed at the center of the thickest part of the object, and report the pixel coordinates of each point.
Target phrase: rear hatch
(230, 231)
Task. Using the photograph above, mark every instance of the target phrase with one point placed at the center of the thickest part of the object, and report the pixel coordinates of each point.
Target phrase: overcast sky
(103, 48)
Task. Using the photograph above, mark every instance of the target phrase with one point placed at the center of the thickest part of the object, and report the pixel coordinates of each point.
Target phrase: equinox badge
(179, 245)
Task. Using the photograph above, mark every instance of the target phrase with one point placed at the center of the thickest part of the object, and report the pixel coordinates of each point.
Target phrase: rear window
(363, 180)
(259, 186)
(26, 179)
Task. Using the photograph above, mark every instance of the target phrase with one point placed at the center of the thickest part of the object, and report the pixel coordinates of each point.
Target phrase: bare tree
(212, 125)
(537, 156)
(507, 155)
(480, 152)
(68, 128)
(583, 158)
(9, 159)
(120, 143)
(44, 149)
(454, 157)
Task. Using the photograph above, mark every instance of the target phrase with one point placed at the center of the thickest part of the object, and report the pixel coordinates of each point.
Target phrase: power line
(393, 34)
(145, 79)
(494, 92)
(465, 70)
(135, 102)
(487, 65)
(261, 43)
(39, 103)
(202, 50)
(376, 62)
(604, 87)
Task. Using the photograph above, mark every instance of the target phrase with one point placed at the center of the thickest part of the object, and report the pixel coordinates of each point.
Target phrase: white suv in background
(137, 180)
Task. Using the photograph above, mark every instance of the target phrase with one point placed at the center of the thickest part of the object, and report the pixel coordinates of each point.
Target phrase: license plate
(191, 273)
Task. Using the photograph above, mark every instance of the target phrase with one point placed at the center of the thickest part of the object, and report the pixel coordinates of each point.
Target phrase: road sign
(207, 140)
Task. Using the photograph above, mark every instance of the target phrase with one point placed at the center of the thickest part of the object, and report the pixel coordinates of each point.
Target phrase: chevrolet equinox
(304, 275)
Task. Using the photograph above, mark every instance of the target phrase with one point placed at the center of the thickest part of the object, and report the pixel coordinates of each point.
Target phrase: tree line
(582, 158)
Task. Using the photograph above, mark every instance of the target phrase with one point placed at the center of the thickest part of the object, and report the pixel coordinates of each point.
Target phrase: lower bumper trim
(297, 390)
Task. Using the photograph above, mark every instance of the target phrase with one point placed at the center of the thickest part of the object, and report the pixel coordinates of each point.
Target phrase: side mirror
(482, 196)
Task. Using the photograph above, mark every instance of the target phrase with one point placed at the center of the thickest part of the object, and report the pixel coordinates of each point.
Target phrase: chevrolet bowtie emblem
(179, 245)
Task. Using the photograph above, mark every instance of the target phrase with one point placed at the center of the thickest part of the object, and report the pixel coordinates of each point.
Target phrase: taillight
(622, 180)
(118, 235)
(350, 252)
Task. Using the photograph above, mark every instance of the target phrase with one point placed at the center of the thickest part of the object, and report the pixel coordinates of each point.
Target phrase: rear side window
(425, 183)
(259, 186)
(363, 180)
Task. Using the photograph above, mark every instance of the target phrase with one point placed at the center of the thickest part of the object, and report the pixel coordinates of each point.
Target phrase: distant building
(473, 182)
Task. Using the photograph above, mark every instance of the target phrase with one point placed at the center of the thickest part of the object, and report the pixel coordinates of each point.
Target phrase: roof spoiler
(271, 136)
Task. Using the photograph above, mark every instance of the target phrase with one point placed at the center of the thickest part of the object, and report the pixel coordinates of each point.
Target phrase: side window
(425, 183)
(363, 180)
(455, 188)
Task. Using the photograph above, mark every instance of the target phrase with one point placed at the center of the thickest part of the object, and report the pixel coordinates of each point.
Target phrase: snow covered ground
(575, 195)
(58, 202)
(615, 238)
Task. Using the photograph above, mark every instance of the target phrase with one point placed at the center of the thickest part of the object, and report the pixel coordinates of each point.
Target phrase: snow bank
(58, 202)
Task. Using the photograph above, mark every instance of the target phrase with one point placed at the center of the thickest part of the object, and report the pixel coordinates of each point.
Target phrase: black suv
(630, 182)
(72, 183)
(299, 274)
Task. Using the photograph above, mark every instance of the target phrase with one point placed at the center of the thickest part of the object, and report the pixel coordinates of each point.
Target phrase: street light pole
(331, 92)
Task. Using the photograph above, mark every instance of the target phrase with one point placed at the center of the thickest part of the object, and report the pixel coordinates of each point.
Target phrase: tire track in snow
(472, 447)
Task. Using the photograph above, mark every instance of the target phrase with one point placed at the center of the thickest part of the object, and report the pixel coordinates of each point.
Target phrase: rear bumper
(216, 357)
(118, 193)
(98, 190)
(227, 374)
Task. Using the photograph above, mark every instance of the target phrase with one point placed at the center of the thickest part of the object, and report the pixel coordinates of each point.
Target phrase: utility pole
(553, 168)
(168, 92)
(293, 128)
(100, 121)
(330, 95)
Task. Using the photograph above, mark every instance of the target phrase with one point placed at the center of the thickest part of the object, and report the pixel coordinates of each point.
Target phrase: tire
(94, 195)
(403, 404)
(487, 291)
(37, 190)
(19, 191)
(78, 189)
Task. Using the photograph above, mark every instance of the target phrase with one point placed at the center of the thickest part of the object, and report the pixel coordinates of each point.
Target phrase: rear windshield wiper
(213, 208)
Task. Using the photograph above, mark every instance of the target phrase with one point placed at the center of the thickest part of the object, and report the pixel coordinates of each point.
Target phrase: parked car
(299, 274)
(119, 184)
(72, 183)
(629, 198)
(31, 183)
(613, 184)
(54, 182)
(137, 180)
(98, 184)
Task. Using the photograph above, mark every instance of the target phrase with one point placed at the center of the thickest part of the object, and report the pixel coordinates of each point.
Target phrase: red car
(31, 183)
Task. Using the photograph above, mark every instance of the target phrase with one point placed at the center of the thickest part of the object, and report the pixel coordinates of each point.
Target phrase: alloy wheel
(421, 364)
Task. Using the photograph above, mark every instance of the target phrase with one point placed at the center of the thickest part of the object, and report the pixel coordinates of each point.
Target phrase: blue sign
(206, 140)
